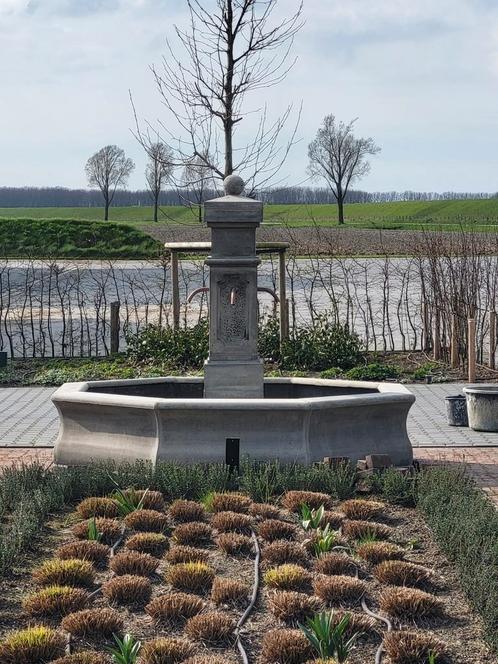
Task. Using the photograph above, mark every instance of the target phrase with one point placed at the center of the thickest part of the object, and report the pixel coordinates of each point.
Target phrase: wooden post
(492, 339)
(437, 335)
(454, 341)
(472, 350)
(115, 327)
(282, 294)
(175, 289)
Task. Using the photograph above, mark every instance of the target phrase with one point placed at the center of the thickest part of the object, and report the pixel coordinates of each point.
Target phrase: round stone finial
(234, 185)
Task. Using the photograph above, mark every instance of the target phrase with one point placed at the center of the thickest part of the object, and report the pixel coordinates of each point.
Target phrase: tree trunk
(156, 205)
(340, 205)
(106, 213)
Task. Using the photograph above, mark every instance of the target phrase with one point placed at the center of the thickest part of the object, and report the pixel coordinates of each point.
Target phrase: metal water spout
(233, 295)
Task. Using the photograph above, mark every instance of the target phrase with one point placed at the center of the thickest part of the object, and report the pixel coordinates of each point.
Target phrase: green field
(479, 214)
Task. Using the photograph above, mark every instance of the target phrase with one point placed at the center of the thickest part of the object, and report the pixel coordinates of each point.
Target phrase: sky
(421, 76)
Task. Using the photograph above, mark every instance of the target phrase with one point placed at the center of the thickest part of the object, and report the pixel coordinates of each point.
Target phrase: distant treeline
(30, 197)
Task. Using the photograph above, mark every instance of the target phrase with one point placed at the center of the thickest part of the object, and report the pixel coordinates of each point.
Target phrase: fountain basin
(298, 420)
(482, 407)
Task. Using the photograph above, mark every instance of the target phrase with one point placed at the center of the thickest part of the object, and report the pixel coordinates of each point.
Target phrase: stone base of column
(233, 379)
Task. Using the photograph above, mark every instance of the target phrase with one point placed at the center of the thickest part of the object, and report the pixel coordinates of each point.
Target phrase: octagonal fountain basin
(299, 419)
(482, 406)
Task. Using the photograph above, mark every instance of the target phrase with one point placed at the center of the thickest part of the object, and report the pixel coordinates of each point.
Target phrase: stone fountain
(233, 411)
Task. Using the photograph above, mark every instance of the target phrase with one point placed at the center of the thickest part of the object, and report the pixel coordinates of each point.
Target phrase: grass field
(478, 214)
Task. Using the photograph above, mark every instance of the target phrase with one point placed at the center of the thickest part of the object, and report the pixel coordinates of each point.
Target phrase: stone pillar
(234, 369)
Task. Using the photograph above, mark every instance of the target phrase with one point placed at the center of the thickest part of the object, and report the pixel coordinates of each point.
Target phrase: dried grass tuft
(234, 543)
(211, 628)
(281, 552)
(183, 511)
(293, 607)
(230, 502)
(165, 651)
(71, 572)
(401, 573)
(93, 622)
(376, 552)
(362, 509)
(409, 603)
(128, 589)
(287, 577)
(192, 577)
(193, 533)
(332, 519)
(339, 588)
(357, 529)
(205, 659)
(285, 646)
(265, 511)
(335, 563)
(153, 543)
(35, 644)
(151, 500)
(186, 554)
(229, 591)
(149, 521)
(293, 500)
(84, 657)
(406, 647)
(273, 529)
(110, 529)
(358, 622)
(134, 562)
(101, 507)
(174, 608)
(55, 601)
(95, 552)
(226, 522)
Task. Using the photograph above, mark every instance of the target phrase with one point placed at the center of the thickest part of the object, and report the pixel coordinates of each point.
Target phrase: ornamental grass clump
(359, 529)
(149, 521)
(212, 628)
(410, 647)
(92, 551)
(55, 601)
(358, 622)
(147, 499)
(194, 533)
(84, 657)
(357, 509)
(174, 608)
(186, 554)
(228, 502)
(234, 543)
(332, 519)
(409, 603)
(192, 577)
(183, 511)
(205, 659)
(285, 646)
(339, 588)
(377, 552)
(128, 589)
(401, 573)
(273, 529)
(97, 507)
(93, 622)
(293, 607)
(134, 562)
(287, 577)
(109, 529)
(329, 638)
(229, 591)
(265, 511)
(167, 650)
(153, 543)
(71, 572)
(225, 522)
(32, 645)
(293, 500)
(282, 551)
(335, 563)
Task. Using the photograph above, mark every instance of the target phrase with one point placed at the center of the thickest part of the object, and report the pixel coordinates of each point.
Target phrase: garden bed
(196, 607)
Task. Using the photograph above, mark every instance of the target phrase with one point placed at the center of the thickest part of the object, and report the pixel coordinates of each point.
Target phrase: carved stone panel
(233, 318)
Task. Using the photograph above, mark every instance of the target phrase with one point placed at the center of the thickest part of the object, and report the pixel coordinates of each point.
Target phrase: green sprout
(128, 501)
(311, 519)
(93, 532)
(330, 640)
(126, 650)
(325, 542)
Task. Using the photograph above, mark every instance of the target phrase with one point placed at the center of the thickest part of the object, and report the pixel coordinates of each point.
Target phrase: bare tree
(108, 169)
(340, 158)
(158, 170)
(235, 49)
(197, 180)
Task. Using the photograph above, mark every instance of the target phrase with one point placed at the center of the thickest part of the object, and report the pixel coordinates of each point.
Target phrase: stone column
(234, 369)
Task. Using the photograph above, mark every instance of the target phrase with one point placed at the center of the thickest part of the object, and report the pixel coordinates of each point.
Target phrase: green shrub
(395, 487)
(373, 372)
(330, 374)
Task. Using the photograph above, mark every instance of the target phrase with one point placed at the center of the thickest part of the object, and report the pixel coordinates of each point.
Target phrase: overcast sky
(421, 76)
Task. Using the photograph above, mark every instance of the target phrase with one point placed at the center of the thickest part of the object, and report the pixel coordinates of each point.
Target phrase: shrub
(186, 554)
(273, 529)
(183, 511)
(373, 372)
(293, 607)
(127, 589)
(234, 543)
(193, 577)
(409, 603)
(165, 650)
(153, 543)
(281, 552)
(93, 622)
(97, 507)
(358, 529)
(287, 577)
(149, 521)
(396, 487)
(71, 572)
(84, 657)
(134, 562)
(35, 644)
(229, 502)
(332, 519)
(401, 573)
(211, 628)
(174, 608)
(226, 522)
(264, 511)
(361, 509)
(110, 529)
(335, 563)
(193, 533)
(292, 500)
(285, 646)
(95, 552)
(55, 601)
(229, 591)
(405, 647)
(376, 552)
(339, 588)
